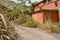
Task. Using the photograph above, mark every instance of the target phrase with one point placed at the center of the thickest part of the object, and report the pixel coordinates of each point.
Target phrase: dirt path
(33, 34)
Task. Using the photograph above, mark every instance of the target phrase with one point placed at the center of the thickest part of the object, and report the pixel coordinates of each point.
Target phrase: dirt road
(33, 34)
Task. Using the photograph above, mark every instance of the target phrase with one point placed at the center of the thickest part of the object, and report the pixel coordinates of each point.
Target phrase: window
(49, 1)
(44, 1)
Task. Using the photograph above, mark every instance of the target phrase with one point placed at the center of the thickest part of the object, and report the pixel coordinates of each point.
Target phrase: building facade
(47, 10)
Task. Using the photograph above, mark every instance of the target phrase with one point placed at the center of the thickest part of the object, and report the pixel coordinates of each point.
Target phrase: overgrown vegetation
(31, 23)
(21, 15)
(51, 27)
(7, 31)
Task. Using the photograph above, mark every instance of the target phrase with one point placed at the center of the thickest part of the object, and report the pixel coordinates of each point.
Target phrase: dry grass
(7, 31)
(51, 27)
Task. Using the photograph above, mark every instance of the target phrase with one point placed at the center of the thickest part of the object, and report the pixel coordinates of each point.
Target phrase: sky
(31, 0)
(27, 3)
(36, 0)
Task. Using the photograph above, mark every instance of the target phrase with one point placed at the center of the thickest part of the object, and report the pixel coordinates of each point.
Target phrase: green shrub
(14, 14)
(21, 19)
(31, 23)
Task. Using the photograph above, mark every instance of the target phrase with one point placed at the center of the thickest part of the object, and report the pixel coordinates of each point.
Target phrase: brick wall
(59, 9)
(49, 6)
(39, 16)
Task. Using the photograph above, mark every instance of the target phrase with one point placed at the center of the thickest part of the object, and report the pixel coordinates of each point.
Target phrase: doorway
(51, 15)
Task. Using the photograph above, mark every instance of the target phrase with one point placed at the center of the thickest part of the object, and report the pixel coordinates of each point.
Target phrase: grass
(30, 23)
(51, 27)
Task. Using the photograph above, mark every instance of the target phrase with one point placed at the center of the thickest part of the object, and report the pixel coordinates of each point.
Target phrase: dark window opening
(49, 1)
(44, 1)
(56, 4)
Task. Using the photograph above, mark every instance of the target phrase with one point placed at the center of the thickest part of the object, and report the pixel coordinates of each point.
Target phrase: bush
(56, 28)
(31, 23)
(14, 14)
(51, 27)
(21, 19)
(7, 31)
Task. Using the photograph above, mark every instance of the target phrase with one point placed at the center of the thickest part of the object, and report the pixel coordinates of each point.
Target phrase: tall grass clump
(31, 23)
(51, 27)
(7, 31)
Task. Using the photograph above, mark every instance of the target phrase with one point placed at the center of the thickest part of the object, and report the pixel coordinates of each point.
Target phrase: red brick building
(47, 10)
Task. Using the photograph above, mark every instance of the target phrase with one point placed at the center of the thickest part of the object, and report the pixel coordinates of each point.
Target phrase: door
(51, 16)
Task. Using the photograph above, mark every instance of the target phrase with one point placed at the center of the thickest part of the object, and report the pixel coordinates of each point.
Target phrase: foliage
(23, 7)
(14, 14)
(56, 28)
(21, 19)
(34, 3)
(51, 27)
(6, 34)
(9, 33)
(27, 10)
(6, 30)
(31, 23)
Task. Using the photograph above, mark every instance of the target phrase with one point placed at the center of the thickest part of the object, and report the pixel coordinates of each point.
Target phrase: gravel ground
(34, 34)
